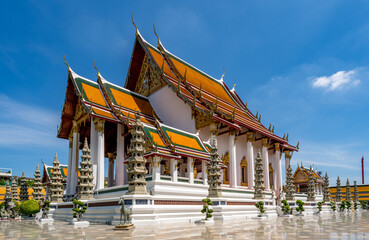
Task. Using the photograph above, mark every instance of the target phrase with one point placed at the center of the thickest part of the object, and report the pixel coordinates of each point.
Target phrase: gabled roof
(306, 171)
(202, 92)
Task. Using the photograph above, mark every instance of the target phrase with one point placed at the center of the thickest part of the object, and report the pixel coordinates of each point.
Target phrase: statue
(125, 215)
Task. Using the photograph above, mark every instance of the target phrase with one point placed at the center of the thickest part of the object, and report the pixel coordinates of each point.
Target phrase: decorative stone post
(137, 169)
(56, 182)
(356, 195)
(326, 197)
(111, 158)
(215, 190)
(348, 191)
(338, 190)
(37, 185)
(86, 178)
(15, 190)
(311, 188)
(24, 188)
(290, 193)
(259, 178)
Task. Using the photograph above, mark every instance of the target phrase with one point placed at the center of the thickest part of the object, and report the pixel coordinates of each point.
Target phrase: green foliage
(2, 182)
(320, 204)
(343, 205)
(333, 206)
(348, 205)
(355, 205)
(79, 209)
(205, 208)
(29, 207)
(286, 209)
(300, 206)
(30, 183)
(260, 205)
(363, 204)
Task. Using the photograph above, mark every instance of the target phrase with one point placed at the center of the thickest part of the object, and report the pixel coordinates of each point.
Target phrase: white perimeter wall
(172, 110)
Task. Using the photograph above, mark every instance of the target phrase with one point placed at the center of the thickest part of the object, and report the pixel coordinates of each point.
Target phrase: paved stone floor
(326, 226)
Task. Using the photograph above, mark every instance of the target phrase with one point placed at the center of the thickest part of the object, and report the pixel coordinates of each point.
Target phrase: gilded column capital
(250, 136)
(277, 147)
(99, 125)
(111, 157)
(287, 155)
(265, 142)
(75, 127)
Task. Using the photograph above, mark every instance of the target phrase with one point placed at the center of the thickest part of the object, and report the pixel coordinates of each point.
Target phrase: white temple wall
(222, 141)
(204, 133)
(172, 110)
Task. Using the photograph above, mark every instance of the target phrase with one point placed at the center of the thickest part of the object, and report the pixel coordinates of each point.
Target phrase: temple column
(278, 167)
(287, 159)
(190, 163)
(250, 159)
(111, 170)
(173, 169)
(204, 167)
(93, 146)
(75, 157)
(264, 155)
(69, 165)
(119, 166)
(182, 171)
(232, 160)
(100, 148)
(156, 168)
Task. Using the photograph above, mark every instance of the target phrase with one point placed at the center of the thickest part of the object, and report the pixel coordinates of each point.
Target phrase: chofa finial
(156, 34)
(96, 68)
(133, 22)
(65, 62)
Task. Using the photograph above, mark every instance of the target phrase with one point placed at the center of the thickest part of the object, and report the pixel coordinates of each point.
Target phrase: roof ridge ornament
(98, 74)
(133, 22)
(156, 35)
(65, 62)
(235, 81)
(298, 144)
(221, 79)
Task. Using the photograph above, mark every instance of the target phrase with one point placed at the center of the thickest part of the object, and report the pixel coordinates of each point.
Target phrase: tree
(205, 208)
(320, 204)
(286, 209)
(260, 205)
(300, 206)
(363, 204)
(29, 207)
(333, 206)
(30, 183)
(79, 209)
(343, 206)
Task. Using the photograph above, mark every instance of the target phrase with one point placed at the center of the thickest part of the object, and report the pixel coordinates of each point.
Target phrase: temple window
(244, 176)
(225, 160)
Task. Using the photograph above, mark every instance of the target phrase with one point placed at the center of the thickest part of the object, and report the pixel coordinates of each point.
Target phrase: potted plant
(79, 209)
(333, 206)
(205, 208)
(300, 206)
(348, 205)
(319, 206)
(363, 204)
(260, 205)
(286, 209)
(355, 206)
(343, 206)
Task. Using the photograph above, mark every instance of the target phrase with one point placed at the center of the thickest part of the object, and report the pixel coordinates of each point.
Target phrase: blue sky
(303, 65)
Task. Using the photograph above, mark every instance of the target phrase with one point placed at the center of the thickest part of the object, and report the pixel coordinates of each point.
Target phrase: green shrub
(260, 205)
(343, 206)
(348, 205)
(320, 204)
(355, 205)
(205, 209)
(363, 204)
(286, 209)
(29, 207)
(333, 206)
(79, 209)
(300, 207)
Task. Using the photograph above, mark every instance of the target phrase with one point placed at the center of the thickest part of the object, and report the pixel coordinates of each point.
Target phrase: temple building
(301, 178)
(176, 103)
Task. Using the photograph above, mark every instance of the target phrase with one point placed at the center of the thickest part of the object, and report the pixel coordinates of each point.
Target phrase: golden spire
(65, 62)
(223, 74)
(96, 68)
(156, 35)
(133, 22)
(235, 81)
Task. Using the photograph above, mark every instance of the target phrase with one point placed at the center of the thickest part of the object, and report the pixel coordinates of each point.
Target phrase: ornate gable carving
(149, 79)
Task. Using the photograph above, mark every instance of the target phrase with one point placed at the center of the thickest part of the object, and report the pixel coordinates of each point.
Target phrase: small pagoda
(85, 180)
(326, 197)
(8, 194)
(311, 187)
(56, 182)
(215, 190)
(348, 191)
(356, 195)
(259, 178)
(136, 168)
(290, 187)
(338, 190)
(37, 185)
(23, 189)
(15, 190)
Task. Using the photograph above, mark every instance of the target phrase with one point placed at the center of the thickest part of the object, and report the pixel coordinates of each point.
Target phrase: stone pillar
(93, 148)
(250, 158)
(173, 169)
(264, 155)
(119, 166)
(278, 167)
(111, 158)
(100, 148)
(156, 167)
(190, 163)
(70, 140)
(75, 156)
(232, 160)
(204, 167)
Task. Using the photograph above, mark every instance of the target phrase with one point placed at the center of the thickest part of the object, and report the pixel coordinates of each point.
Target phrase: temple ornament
(85, 179)
(338, 190)
(326, 197)
(259, 178)
(311, 186)
(23, 189)
(37, 185)
(56, 182)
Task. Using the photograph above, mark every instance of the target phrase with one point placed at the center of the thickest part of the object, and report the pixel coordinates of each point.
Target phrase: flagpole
(362, 169)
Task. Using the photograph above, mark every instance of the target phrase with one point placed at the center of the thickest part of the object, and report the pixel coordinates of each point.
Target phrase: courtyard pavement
(325, 226)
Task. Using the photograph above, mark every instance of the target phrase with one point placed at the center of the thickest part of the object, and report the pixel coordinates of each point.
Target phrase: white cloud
(339, 80)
